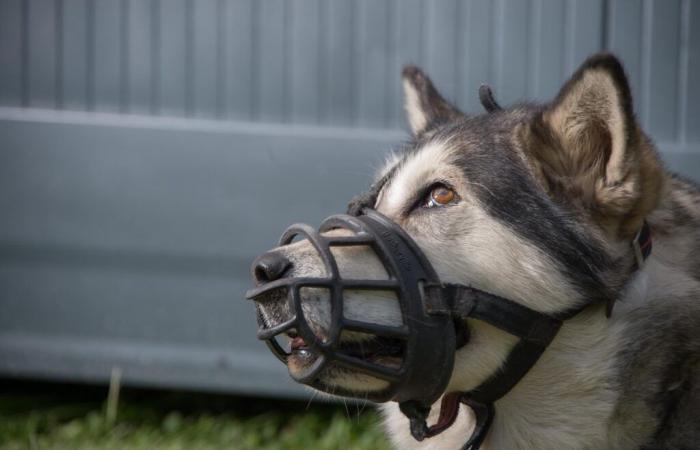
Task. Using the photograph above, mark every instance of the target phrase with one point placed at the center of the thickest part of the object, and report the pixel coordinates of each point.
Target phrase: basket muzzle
(420, 368)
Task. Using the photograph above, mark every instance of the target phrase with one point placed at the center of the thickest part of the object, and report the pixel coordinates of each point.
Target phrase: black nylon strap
(483, 413)
(502, 313)
(519, 361)
(535, 330)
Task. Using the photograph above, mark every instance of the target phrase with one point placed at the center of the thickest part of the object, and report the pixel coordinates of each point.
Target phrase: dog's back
(660, 364)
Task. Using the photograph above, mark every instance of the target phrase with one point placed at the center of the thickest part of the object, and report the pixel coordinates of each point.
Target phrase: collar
(641, 248)
(641, 244)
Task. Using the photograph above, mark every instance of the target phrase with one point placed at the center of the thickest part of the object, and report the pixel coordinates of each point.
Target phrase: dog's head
(535, 203)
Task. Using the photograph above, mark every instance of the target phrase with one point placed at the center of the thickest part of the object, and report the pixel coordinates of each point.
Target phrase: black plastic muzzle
(422, 366)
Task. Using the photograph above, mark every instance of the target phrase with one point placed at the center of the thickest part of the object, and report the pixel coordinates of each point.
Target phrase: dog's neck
(566, 400)
(569, 399)
(593, 387)
(576, 396)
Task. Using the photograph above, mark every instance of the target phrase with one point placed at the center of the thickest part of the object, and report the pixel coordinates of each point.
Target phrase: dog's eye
(439, 195)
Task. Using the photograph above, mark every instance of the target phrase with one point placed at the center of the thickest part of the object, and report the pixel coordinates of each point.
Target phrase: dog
(542, 204)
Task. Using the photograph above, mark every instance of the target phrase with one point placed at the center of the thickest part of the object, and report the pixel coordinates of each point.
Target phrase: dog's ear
(587, 146)
(424, 105)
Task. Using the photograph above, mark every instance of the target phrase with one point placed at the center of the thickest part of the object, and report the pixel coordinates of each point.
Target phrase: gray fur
(659, 376)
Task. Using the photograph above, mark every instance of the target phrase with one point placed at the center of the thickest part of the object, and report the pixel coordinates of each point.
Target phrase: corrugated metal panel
(338, 61)
(660, 44)
(690, 120)
(126, 241)
(130, 216)
(11, 52)
(302, 61)
(74, 45)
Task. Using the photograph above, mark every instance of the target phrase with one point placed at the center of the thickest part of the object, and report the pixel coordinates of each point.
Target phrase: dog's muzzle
(426, 341)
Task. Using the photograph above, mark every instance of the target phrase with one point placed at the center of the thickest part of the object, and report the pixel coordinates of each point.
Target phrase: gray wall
(149, 149)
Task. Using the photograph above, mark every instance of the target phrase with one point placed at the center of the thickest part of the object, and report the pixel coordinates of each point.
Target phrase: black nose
(269, 267)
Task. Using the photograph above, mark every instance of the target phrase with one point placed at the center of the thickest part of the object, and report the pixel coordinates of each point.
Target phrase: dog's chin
(336, 377)
(385, 352)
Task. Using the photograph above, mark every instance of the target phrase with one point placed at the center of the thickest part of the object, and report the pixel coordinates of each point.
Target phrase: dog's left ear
(424, 105)
(587, 146)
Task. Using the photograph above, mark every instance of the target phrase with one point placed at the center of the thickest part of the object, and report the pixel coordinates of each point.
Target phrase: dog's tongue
(449, 408)
(298, 342)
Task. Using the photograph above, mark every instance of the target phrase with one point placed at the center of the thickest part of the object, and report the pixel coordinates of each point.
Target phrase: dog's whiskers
(347, 411)
(313, 396)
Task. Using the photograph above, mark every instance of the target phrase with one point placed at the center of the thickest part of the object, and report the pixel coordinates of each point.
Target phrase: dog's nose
(269, 267)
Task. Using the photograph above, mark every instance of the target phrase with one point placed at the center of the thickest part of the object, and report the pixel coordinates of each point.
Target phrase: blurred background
(149, 150)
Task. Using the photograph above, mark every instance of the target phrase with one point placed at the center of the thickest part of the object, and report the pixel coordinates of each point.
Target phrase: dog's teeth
(304, 353)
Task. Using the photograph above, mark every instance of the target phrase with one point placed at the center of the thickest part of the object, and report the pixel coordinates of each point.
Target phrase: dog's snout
(269, 267)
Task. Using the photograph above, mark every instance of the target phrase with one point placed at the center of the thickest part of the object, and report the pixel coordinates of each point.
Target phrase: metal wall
(300, 61)
(149, 149)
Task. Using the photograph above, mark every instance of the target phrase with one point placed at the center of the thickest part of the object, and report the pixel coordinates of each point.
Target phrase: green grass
(68, 417)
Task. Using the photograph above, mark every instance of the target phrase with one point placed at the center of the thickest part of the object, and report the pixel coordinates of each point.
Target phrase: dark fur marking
(682, 217)
(676, 385)
(667, 353)
(686, 184)
(369, 198)
(509, 193)
(486, 98)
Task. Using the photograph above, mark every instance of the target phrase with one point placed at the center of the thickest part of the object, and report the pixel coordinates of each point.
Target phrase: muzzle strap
(484, 413)
(535, 330)
(509, 316)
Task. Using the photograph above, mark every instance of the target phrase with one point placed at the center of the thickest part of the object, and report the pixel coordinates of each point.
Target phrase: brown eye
(440, 195)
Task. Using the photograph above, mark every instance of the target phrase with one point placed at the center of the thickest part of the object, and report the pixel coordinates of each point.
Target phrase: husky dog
(539, 204)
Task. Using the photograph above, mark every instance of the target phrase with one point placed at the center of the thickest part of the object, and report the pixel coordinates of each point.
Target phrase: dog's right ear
(424, 105)
(587, 148)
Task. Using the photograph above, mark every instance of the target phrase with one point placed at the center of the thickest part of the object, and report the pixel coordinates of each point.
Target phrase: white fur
(562, 403)
(423, 166)
(417, 118)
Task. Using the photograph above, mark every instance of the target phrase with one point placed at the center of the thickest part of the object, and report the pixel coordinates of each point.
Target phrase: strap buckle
(434, 300)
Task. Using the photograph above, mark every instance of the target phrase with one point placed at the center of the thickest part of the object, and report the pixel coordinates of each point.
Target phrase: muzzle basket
(407, 271)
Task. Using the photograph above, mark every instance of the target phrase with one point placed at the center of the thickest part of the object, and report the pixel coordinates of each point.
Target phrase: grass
(42, 416)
